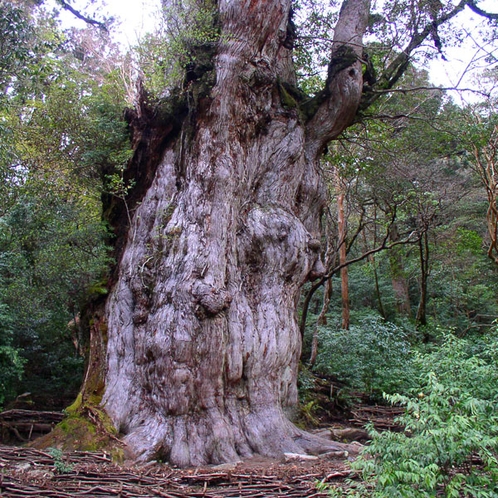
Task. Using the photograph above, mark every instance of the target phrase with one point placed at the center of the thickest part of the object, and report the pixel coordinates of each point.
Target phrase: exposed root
(191, 441)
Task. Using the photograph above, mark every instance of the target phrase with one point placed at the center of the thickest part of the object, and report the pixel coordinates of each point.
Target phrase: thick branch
(335, 107)
(397, 68)
(79, 15)
(474, 8)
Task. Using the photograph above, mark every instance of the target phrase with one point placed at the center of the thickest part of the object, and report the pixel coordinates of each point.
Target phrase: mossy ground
(86, 428)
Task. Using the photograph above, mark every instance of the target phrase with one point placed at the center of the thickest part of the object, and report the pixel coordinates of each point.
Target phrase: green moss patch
(86, 428)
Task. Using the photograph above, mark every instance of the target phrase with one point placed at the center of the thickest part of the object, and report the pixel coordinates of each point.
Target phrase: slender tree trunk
(373, 263)
(382, 310)
(421, 318)
(321, 320)
(398, 277)
(202, 338)
(342, 228)
(485, 164)
(330, 260)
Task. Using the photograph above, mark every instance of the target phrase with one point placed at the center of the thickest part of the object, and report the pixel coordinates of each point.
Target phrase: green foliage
(463, 282)
(15, 34)
(306, 383)
(468, 240)
(362, 289)
(450, 442)
(80, 129)
(23, 46)
(24, 43)
(181, 48)
(61, 132)
(11, 362)
(51, 252)
(373, 356)
(61, 467)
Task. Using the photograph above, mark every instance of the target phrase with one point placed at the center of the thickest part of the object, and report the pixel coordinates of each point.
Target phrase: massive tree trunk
(202, 339)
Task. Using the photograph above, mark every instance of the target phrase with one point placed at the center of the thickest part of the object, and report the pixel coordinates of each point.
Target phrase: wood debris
(26, 425)
(382, 417)
(26, 472)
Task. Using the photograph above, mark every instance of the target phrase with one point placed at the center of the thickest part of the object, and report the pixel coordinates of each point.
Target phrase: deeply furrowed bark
(203, 344)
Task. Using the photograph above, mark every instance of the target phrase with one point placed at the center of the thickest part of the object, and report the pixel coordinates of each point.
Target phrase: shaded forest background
(407, 312)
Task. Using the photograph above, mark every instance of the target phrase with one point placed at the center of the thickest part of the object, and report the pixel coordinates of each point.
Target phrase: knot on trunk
(213, 300)
(274, 244)
(315, 245)
(318, 270)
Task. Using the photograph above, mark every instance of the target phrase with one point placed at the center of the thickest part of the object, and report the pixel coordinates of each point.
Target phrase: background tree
(406, 171)
(480, 139)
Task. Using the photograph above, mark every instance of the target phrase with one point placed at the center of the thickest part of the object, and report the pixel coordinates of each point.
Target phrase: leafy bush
(451, 439)
(373, 356)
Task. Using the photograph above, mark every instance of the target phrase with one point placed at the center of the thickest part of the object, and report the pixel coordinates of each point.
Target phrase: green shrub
(60, 465)
(449, 447)
(373, 356)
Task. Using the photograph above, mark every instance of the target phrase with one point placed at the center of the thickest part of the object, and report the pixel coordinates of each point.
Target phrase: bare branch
(435, 88)
(397, 68)
(79, 15)
(384, 245)
(474, 8)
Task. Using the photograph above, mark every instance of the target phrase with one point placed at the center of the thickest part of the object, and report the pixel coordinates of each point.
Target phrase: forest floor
(28, 472)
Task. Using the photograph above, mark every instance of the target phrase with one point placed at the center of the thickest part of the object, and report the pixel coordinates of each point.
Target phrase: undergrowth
(450, 443)
(373, 356)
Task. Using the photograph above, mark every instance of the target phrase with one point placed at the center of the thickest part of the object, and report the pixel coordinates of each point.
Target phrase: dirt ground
(28, 472)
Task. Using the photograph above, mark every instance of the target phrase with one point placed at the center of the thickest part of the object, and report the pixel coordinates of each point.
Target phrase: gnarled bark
(203, 343)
